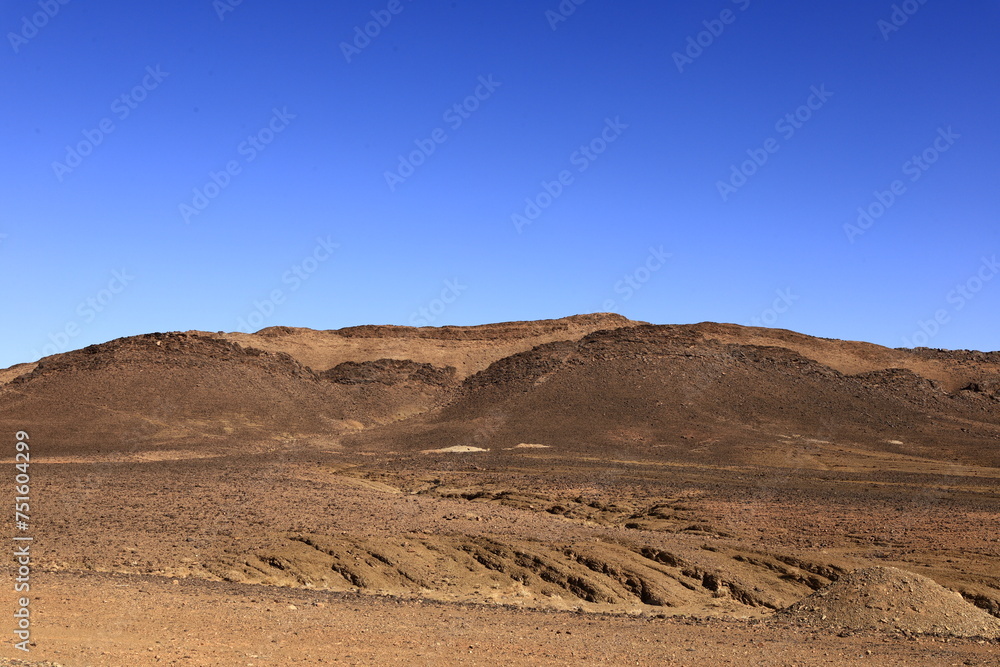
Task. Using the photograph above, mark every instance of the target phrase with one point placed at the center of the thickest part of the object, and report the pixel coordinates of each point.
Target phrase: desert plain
(587, 490)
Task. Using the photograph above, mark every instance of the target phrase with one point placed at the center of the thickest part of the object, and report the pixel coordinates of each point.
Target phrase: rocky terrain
(583, 490)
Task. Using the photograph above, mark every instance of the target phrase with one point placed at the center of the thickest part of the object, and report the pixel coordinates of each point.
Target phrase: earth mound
(886, 598)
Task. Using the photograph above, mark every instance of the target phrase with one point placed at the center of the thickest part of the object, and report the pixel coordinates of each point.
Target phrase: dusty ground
(134, 620)
(706, 547)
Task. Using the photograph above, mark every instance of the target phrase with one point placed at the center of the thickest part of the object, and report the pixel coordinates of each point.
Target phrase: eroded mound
(593, 575)
(886, 598)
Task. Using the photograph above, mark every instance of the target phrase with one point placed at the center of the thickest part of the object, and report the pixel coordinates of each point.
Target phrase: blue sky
(217, 166)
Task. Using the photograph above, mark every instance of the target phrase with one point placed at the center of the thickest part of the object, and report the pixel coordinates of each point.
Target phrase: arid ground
(578, 491)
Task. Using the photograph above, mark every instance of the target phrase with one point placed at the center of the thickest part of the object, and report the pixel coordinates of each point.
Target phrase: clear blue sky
(648, 220)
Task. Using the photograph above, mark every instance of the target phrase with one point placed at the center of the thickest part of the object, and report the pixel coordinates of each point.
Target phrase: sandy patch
(457, 449)
(131, 457)
(367, 484)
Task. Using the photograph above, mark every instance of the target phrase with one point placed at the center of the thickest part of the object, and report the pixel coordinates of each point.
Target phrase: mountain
(194, 389)
(592, 383)
(723, 393)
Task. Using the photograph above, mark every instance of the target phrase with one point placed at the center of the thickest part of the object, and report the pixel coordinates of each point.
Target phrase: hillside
(690, 393)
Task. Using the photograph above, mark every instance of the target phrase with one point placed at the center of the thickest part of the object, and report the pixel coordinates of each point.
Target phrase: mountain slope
(192, 391)
(660, 390)
(701, 392)
(468, 349)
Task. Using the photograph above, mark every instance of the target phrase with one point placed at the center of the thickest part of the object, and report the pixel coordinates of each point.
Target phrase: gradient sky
(307, 230)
